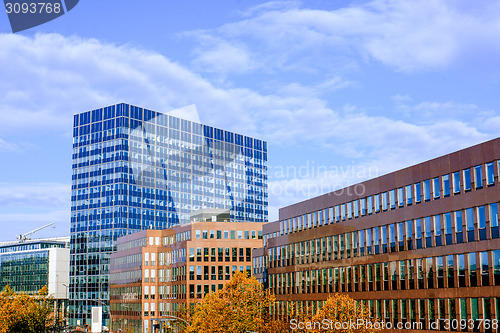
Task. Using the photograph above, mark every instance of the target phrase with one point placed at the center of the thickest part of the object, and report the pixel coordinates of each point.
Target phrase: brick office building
(156, 273)
(419, 245)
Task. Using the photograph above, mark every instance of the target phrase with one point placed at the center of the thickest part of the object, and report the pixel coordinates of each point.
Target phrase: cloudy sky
(341, 90)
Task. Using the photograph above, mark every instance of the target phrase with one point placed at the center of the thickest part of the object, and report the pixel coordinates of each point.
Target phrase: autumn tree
(340, 314)
(242, 305)
(23, 313)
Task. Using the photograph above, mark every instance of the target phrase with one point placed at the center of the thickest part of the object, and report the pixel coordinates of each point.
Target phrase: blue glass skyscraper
(136, 169)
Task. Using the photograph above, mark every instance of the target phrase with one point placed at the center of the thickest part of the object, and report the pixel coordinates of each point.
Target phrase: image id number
(32, 8)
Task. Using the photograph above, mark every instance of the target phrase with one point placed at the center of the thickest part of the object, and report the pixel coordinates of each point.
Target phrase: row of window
(147, 119)
(438, 314)
(468, 225)
(214, 272)
(224, 234)
(474, 269)
(220, 254)
(430, 189)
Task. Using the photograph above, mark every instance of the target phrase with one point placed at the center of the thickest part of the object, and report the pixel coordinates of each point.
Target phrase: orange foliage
(241, 306)
(341, 310)
(22, 313)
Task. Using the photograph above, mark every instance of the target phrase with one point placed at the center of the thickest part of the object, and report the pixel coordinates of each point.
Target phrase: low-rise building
(28, 266)
(157, 274)
(419, 247)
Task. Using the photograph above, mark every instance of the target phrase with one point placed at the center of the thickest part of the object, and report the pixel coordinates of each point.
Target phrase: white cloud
(408, 36)
(6, 146)
(25, 207)
(220, 56)
(53, 195)
(50, 77)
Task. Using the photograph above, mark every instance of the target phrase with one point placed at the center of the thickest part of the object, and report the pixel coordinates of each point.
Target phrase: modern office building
(30, 265)
(155, 274)
(419, 246)
(137, 169)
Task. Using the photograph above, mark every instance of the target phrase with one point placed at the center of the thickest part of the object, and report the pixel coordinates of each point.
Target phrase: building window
(418, 193)
(418, 233)
(363, 206)
(467, 180)
(446, 185)
(392, 237)
(408, 195)
(427, 190)
(472, 269)
(437, 229)
(463, 308)
(369, 241)
(490, 174)
(435, 188)
(401, 199)
(428, 232)
(484, 267)
(409, 234)
(384, 239)
(469, 215)
(376, 240)
(392, 197)
(496, 267)
(377, 203)
(451, 271)
(478, 176)
(447, 228)
(474, 308)
(494, 221)
(384, 201)
(400, 232)
(458, 227)
(481, 222)
(456, 182)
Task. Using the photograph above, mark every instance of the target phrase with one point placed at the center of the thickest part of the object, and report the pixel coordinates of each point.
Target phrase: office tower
(419, 247)
(136, 169)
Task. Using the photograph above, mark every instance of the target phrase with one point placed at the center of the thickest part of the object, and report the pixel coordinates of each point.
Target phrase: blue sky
(341, 90)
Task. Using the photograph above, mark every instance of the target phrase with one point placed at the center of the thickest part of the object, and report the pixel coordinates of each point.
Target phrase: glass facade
(24, 272)
(136, 169)
(25, 266)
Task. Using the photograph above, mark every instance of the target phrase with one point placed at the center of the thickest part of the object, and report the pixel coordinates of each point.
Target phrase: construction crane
(25, 237)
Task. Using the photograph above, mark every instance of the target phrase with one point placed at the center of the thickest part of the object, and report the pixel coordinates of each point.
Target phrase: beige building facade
(157, 274)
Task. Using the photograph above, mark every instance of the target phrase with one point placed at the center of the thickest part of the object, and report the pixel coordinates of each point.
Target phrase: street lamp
(65, 308)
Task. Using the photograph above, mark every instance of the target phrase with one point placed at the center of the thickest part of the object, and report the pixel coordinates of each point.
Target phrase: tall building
(137, 169)
(419, 247)
(157, 274)
(30, 265)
